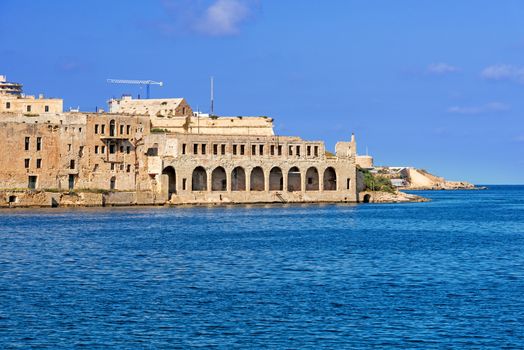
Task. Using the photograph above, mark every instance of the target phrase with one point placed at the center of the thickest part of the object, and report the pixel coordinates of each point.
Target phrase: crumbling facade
(160, 151)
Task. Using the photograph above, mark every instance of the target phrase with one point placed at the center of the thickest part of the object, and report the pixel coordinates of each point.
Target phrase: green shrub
(377, 182)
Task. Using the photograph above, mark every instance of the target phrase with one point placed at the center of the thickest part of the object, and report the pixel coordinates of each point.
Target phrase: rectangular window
(103, 129)
(26, 147)
(38, 163)
(223, 149)
(279, 150)
(308, 151)
(46, 109)
(261, 150)
(128, 149)
(242, 150)
(29, 108)
(103, 149)
(215, 149)
(121, 149)
(72, 164)
(290, 153)
(316, 151)
(26, 163)
(79, 129)
(112, 149)
(272, 150)
(128, 169)
(184, 146)
(113, 166)
(253, 150)
(203, 148)
(7, 105)
(234, 150)
(69, 147)
(298, 151)
(184, 182)
(96, 149)
(348, 184)
(195, 148)
(121, 129)
(122, 167)
(128, 129)
(38, 143)
(96, 128)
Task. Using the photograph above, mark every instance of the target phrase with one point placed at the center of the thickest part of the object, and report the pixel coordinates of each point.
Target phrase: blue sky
(433, 84)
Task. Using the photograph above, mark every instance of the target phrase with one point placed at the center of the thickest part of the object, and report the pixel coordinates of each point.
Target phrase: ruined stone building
(155, 151)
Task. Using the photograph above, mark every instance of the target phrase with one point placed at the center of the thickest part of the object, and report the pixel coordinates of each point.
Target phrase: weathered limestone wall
(207, 168)
(30, 105)
(162, 107)
(74, 151)
(215, 126)
(365, 162)
(75, 158)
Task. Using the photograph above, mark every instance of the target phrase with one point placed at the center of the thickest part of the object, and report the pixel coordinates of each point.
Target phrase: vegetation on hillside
(377, 182)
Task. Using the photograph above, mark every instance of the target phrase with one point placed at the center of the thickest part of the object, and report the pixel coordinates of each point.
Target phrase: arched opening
(112, 183)
(171, 173)
(112, 127)
(330, 179)
(218, 179)
(312, 182)
(367, 198)
(238, 179)
(12, 199)
(199, 179)
(294, 179)
(257, 179)
(276, 180)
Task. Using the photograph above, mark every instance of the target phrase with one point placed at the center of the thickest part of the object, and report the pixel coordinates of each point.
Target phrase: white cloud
(490, 107)
(223, 17)
(504, 72)
(442, 68)
(205, 17)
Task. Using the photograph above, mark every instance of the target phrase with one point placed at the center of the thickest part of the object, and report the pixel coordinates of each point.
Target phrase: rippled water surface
(449, 273)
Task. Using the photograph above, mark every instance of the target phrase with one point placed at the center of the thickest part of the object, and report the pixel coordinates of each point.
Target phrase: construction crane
(147, 83)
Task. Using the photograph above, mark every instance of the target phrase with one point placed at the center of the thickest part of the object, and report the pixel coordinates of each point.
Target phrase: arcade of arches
(219, 180)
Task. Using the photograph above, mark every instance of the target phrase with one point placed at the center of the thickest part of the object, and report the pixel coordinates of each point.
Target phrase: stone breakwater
(46, 199)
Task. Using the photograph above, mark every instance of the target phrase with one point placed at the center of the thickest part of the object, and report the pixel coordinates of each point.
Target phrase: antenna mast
(212, 97)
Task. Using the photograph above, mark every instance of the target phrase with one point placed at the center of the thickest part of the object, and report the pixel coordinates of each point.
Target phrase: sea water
(448, 273)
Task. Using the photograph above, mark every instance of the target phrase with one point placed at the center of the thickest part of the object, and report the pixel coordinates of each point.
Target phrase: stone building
(159, 151)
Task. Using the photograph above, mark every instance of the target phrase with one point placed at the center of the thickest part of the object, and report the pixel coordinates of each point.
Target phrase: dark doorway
(32, 182)
(218, 179)
(238, 179)
(199, 179)
(171, 173)
(71, 182)
(276, 180)
(294, 180)
(330, 179)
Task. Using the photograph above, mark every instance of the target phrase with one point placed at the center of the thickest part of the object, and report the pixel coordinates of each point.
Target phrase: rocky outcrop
(419, 179)
(387, 197)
